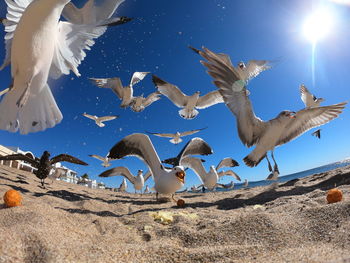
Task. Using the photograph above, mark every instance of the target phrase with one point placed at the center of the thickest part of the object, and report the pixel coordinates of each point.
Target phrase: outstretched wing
(209, 99)
(255, 67)
(137, 77)
(165, 135)
(151, 98)
(66, 158)
(108, 118)
(186, 133)
(309, 118)
(97, 157)
(227, 162)
(123, 171)
(15, 10)
(249, 126)
(196, 165)
(21, 157)
(90, 116)
(115, 84)
(230, 173)
(90, 13)
(306, 96)
(147, 176)
(171, 91)
(196, 146)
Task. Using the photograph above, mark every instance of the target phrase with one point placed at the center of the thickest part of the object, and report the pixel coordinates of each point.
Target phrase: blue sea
(281, 179)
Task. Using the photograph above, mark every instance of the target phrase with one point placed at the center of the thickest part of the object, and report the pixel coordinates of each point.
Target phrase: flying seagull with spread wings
(166, 180)
(39, 46)
(99, 120)
(176, 137)
(126, 94)
(266, 135)
(44, 164)
(189, 104)
(210, 179)
(138, 181)
(243, 73)
(105, 160)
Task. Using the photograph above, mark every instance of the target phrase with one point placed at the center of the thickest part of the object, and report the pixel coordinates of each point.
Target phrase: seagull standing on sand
(266, 135)
(188, 103)
(105, 160)
(39, 46)
(123, 186)
(243, 73)
(44, 164)
(166, 180)
(126, 94)
(99, 120)
(138, 181)
(210, 179)
(176, 137)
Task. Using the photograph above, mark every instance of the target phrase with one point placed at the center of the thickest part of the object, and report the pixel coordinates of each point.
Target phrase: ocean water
(321, 169)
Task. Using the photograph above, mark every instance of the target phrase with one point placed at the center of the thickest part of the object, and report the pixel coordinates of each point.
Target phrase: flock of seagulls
(40, 46)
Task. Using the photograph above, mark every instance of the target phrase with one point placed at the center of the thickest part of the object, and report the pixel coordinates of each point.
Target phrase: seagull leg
(268, 161)
(156, 196)
(172, 197)
(275, 167)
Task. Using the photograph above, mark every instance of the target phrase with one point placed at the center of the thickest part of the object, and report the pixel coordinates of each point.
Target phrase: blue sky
(156, 40)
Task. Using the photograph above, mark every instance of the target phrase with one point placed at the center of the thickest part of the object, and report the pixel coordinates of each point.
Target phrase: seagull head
(139, 172)
(46, 154)
(287, 114)
(180, 173)
(241, 65)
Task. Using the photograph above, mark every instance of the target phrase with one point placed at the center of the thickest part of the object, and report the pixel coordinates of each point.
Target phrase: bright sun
(317, 25)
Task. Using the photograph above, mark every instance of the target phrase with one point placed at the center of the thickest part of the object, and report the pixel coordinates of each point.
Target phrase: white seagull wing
(98, 157)
(137, 77)
(211, 98)
(115, 84)
(165, 135)
(90, 116)
(306, 96)
(90, 13)
(230, 173)
(107, 118)
(171, 91)
(227, 162)
(151, 98)
(186, 133)
(138, 145)
(196, 165)
(123, 171)
(309, 118)
(15, 10)
(255, 67)
(249, 126)
(147, 175)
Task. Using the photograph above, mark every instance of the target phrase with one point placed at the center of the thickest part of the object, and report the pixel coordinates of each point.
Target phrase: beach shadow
(20, 181)
(85, 211)
(65, 195)
(18, 188)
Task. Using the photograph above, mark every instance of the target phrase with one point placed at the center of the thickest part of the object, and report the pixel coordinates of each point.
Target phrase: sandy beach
(288, 222)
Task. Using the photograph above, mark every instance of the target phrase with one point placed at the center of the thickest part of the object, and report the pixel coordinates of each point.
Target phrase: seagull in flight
(99, 120)
(176, 137)
(139, 103)
(210, 179)
(189, 104)
(166, 180)
(317, 133)
(105, 160)
(39, 46)
(126, 94)
(309, 99)
(265, 135)
(243, 73)
(44, 164)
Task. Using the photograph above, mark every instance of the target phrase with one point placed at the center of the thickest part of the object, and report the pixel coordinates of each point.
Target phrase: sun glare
(317, 25)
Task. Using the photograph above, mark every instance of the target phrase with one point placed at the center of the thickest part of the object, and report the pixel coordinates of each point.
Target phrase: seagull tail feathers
(188, 113)
(176, 141)
(40, 112)
(9, 110)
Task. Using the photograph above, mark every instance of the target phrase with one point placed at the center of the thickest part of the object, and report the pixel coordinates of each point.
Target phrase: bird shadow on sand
(65, 195)
(17, 188)
(85, 211)
(272, 194)
(19, 180)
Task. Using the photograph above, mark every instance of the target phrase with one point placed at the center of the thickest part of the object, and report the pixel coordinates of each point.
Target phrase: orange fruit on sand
(334, 195)
(12, 198)
(180, 203)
